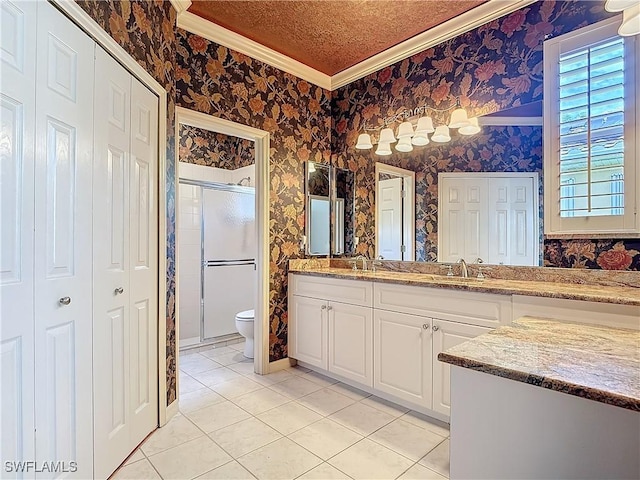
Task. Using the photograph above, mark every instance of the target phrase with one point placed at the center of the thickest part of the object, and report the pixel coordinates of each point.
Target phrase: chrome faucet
(376, 263)
(364, 262)
(464, 272)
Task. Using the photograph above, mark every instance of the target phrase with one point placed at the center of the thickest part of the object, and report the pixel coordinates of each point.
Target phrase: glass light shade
(441, 135)
(386, 136)
(383, 148)
(458, 118)
(364, 141)
(404, 145)
(425, 125)
(420, 139)
(630, 21)
(470, 129)
(619, 5)
(405, 130)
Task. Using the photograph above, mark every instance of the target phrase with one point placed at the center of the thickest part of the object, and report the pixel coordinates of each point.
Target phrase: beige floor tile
(318, 378)
(326, 401)
(325, 438)
(324, 472)
(385, 405)
(189, 459)
(186, 383)
(270, 379)
(140, 470)
(232, 357)
(438, 459)
(244, 437)
(295, 387)
(178, 430)
(429, 423)
(362, 418)
(282, 460)
(215, 352)
(229, 471)
(289, 417)
(197, 363)
(349, 391)
(203, 397)
(260, 401)
(407, 439)
(217, 416)
(236, 387)
(243, 368)
(135, 456)
(418, 472)
(369, 460)
(238, 346)
(214, 377)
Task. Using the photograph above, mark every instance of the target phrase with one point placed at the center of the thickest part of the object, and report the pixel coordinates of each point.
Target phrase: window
(590, 111)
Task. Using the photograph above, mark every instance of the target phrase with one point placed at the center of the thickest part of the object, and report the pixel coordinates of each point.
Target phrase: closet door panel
(144, 254)
(17, 110)
(112, 265)
(63, 324)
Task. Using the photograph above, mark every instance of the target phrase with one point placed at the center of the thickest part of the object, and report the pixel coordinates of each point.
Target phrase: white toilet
(244, 324)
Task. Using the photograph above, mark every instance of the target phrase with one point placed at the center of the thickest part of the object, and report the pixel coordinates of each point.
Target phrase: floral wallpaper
(604, 254)
(212, 149)
(491, 68)
(145, 29)
(212, 79)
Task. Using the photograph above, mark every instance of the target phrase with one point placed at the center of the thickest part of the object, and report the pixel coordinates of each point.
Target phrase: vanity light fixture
(406, 136)
(630, 15)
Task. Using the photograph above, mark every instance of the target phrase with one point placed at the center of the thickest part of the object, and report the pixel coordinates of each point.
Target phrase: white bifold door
(78, 222)
(124, 264)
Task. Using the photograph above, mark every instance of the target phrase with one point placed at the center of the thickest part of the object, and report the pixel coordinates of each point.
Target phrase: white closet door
(17, 103)
(451, 221)
(111, 264)
(143, 195)
(390, 226)
(64, 146)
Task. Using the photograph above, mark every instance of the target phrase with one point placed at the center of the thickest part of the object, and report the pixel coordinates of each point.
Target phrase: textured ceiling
(330, 35)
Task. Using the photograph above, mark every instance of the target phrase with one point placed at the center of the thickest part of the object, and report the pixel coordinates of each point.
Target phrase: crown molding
(211, 31)
(476, 17)
(509, 121)
(181, 5)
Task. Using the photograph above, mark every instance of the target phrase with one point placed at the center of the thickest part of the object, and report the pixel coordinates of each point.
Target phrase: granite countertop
(597, 363)
(624, 295)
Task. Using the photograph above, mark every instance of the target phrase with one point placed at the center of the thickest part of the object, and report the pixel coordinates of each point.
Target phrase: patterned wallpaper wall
(204, 147)
(212, 79)
(146, 30)
(491, 68)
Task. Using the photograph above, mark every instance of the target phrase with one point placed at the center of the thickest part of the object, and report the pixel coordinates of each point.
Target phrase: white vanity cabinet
(446, 335)
(403, 359)
(330, 325)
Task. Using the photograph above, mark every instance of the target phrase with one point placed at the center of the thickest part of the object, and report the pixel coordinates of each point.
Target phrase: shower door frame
(261, 140)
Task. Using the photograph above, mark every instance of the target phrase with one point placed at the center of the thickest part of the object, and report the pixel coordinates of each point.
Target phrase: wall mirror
(330, 196)
(395, 213)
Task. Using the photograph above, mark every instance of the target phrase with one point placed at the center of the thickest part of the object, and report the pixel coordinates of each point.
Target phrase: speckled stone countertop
(597, 363)
(620, 294)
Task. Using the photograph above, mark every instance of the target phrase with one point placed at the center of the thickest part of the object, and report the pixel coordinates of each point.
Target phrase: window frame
(627, 225)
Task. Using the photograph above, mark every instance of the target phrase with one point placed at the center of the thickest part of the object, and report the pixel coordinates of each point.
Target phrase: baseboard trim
(281, 364)
(172, 410)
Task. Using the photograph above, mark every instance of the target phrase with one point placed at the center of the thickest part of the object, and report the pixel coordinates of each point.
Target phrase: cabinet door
(351, 341)
(308, 330)
(402, 356)
(447, 335)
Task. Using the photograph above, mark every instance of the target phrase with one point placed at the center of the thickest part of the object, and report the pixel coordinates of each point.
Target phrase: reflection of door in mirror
(343, 193)
(491, 216)
(318, 209)
(395, 213)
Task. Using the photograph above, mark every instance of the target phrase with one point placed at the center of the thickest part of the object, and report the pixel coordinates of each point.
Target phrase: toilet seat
(245, 316)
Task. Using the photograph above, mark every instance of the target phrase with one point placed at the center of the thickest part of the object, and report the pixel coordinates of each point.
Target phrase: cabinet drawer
(482, 309)
(354, 292)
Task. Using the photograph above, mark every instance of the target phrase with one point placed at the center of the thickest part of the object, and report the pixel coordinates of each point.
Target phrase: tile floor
(295, 423)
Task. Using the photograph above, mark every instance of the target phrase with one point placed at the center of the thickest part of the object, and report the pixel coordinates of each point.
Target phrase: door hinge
(403, 193)
(403, 248)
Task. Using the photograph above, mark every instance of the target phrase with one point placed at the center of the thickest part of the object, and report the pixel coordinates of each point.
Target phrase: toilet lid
(246, 315)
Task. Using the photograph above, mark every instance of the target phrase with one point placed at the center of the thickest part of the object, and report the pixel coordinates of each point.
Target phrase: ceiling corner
(180, 5)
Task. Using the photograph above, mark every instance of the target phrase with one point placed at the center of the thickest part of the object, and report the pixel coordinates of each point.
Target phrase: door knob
(425, 326)
(329, 307)
(436, 328)
(118, 291)
(323, 307)
(64, 301)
